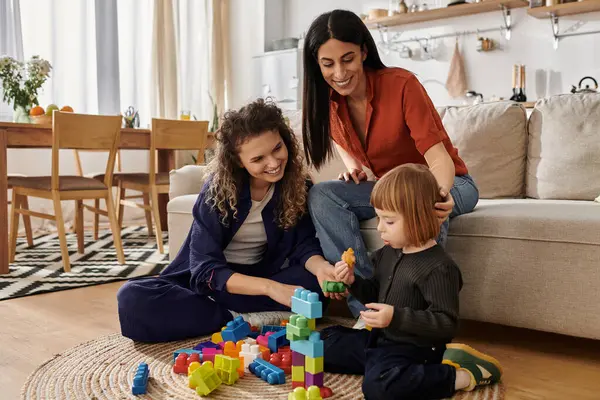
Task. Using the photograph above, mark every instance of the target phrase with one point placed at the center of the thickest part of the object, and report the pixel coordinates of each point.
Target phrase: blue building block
(186, 351)
(313, 347)
(307, 304)
(208, 344)
(267, 371)
(236, 330)
(254, 335)
(277, 340)
(140, 380)
(270, 328)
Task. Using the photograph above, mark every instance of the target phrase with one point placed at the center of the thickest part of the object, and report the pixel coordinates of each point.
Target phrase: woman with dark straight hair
(376, 117)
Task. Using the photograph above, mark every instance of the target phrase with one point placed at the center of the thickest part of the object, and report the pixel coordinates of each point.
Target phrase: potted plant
(21, 83)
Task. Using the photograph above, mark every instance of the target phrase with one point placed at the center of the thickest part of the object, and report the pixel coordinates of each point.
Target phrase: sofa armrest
(186, 180)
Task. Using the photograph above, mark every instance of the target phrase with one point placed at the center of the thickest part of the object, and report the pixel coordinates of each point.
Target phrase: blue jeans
(338, 207)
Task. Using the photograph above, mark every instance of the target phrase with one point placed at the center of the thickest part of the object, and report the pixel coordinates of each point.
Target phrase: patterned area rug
(38, 269)
(104, 369)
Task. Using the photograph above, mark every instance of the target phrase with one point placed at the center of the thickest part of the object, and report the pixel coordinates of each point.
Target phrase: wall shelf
(447, 12)
(561, 10)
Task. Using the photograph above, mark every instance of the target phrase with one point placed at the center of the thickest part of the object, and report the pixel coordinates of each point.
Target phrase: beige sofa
(530, 252)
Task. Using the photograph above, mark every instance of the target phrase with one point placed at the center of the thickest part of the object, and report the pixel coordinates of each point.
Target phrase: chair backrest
(169, 134)
(79, 164)
(102, 132)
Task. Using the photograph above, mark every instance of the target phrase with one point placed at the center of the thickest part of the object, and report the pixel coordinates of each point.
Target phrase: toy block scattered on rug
(227, 368)
(277, 340)
(183, 361)
(249, 353)
(283, 361)
(204, 379)
(271, 328)
(236, 330)
(186, 351)
(140, 380)
(208, 354)
(299, 393)
(267, 372)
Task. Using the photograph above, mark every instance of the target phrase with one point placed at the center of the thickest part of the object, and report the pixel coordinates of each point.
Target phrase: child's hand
(343, 273)
(380, 315)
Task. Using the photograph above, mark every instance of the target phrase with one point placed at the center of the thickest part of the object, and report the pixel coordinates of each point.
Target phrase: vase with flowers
(21, 83)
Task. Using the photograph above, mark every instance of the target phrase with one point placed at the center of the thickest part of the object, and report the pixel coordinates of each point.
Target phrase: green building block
(333, 287)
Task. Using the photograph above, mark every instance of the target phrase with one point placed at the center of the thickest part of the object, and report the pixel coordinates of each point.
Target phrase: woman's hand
(379, 315)
(327, 273)
(343, 273)
(444, 208)
(357, 175)
(281, 293)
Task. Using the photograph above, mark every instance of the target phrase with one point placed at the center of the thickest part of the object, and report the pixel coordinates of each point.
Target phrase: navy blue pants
(391, 370)
(163, 309)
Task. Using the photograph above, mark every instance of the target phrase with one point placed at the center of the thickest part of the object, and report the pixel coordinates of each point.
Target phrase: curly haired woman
(252, 242)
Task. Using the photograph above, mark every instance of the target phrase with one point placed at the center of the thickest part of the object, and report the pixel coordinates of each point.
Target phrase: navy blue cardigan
(200, 264)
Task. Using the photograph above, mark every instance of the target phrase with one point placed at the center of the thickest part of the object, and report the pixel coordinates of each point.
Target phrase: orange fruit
(67, 109)
(37, 110)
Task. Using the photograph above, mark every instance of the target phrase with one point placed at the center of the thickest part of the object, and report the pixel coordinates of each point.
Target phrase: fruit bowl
(41, 119)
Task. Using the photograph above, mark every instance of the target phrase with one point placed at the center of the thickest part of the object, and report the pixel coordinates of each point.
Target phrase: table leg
(166, 162)
(3, 205)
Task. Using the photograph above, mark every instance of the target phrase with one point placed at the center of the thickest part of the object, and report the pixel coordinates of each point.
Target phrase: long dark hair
(227, 174)
(344, 26)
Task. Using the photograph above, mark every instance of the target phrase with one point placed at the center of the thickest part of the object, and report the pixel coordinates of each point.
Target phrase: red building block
(282, 361)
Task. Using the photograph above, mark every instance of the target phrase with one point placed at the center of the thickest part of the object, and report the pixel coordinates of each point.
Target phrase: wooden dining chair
(166, 135)
(102, 133)
(25, 206)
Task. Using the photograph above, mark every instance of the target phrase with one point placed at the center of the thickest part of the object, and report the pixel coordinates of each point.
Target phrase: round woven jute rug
(104, 369)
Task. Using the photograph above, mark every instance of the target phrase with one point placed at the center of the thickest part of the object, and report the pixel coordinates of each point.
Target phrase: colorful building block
(140, 379)
(186, 351)
(314, 365)
(282, 361)
(183, 361)
(297, 384)
(204, 379)
(271, 328)
(306, 303)
(226, 368)
(298, 373)
(267, 372)
(207, 345)
(298, 359)
(299, 393)
(192, 367)
(236, 330)
(312, 324)
(208, 354)
(313, 379)
(297, 328)
(230, 349)
(313, 347)
(277, 340)
(249, 353)
(265, 353)
(333, 287)
(263, 340)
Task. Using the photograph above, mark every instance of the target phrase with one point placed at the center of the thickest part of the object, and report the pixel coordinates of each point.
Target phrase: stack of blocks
(306, 343)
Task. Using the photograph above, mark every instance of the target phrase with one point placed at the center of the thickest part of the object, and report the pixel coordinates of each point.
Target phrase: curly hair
(226, 171)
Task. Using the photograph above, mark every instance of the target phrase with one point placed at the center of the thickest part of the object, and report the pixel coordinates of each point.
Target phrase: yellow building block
(313, 365)
(226, 368)
(297, 374)
(312, 324)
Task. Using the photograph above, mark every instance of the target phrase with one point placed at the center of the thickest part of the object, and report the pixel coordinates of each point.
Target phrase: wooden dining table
(24, 136)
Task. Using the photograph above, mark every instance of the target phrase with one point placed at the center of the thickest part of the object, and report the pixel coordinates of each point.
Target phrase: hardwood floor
(536, 365)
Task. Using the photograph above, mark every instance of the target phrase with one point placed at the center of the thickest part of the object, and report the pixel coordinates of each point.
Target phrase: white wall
(488, 73)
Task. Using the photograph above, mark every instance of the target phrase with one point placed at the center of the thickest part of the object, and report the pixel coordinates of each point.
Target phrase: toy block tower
(305, 342)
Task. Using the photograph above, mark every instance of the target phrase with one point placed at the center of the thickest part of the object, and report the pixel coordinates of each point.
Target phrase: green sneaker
(484, 369)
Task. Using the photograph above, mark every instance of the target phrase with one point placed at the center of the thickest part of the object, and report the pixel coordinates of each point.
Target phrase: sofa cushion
(492, 140)
(186, 180)
(531, 219)
(180, 221)
(564, 148)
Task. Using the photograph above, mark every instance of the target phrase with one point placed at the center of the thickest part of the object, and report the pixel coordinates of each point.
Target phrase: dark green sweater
(423, 287)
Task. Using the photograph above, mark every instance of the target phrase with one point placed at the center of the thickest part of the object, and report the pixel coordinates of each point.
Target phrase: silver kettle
(587, 88)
